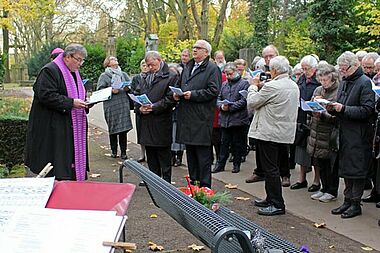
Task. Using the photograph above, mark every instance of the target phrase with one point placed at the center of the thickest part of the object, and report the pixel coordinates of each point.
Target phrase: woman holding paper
(116, 110)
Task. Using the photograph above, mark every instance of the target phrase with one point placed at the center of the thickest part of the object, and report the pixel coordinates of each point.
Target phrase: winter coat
(318, 143)
(306, 92)
(237, 115)
(195, 115)
(155, 128)
(275, 106)
(116, 110)
(50, 132)
(355, 125)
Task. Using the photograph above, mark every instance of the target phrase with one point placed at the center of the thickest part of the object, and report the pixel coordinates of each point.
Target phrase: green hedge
(12, 140)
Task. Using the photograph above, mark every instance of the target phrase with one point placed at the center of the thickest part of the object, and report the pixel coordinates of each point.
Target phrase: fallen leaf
(231, 186)
(94, 175)
(293, 227)
(114, 164)
(153, 216)
(320, 225)
(196, 247)
(108, 154)
(366, 248)
(114, 171)
(155, 247)
(331, 246)
(103, 147)
(128, 251)
(242, 198)
(120, 162)
(173, 183)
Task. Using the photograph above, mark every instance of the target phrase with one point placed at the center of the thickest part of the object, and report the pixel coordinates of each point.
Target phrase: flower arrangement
(206, 196)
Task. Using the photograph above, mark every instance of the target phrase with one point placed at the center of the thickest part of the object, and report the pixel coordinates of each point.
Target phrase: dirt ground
(166, 232)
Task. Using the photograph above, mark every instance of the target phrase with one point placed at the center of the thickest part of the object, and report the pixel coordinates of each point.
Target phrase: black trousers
(215, 143)
(329, 175)
(159, 161)
(284, 161)
(354, 189)
(234, 137)
(269, 153)
(199, 164)
(122, 142)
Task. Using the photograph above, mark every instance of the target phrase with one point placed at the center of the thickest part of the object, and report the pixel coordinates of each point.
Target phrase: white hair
(75, 48)
(370, 56)
(152, 54)
(310, 61)
(348, 58)
(361, 53)
(280, 64)
(377, 61)
(297, 67)
(207, 46)
(260, 64)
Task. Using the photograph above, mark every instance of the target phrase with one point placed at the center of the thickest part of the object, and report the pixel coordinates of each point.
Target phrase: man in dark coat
(200, 83)
(354, 110)
(57, 128)
(155, 120)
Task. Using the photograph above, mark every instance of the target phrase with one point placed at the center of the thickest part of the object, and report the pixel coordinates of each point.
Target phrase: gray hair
(152, 54)
(207, 46)
(260, 64)
(310, 61)
(271, 47)
(371, 56)
(348, 58)
(74, 48)
(377, 61)
(361, 53)
(327, 70)
(297, 67)
(280, 64)
(231, 66)
(186, 50)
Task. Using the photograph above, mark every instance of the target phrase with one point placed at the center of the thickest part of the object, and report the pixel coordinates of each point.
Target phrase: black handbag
(302, 132)
(334, 139)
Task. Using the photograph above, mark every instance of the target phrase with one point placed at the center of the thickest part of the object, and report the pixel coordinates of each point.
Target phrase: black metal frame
(223, 231)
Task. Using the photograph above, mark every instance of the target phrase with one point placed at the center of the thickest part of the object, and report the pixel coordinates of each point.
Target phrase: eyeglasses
(198, 47)
(306, 69)
(341, 69)
(80, 60)
(230, 73)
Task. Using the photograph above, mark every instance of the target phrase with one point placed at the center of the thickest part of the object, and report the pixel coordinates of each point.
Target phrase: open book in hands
(142, 99)
(311, 106)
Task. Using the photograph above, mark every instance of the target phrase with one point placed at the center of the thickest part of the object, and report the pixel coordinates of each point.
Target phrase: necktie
(196, 65)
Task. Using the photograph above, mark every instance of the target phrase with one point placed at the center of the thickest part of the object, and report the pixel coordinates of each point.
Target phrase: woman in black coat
(354, 110)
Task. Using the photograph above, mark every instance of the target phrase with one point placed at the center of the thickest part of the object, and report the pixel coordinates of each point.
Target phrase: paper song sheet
(100, 96)
(25, 192)
(176, 90)
(60, 231)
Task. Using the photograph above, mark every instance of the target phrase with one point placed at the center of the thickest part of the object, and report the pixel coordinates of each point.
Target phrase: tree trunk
(7, 76)
(204, 20)
(220, 23)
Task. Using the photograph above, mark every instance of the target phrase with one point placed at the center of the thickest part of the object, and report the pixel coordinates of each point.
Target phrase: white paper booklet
(100, 96)
(176, 90)
(142, 99)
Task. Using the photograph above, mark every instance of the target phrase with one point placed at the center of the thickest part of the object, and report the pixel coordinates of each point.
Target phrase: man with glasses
(200, 83)
(57, 127)
(354, 111)
(368, 64)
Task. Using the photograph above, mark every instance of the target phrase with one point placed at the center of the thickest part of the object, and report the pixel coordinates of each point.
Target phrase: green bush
(12, 140)
(41, 58)
(130, 50)
(93, 65)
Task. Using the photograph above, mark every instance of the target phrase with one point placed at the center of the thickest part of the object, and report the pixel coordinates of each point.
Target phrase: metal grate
(222, 232)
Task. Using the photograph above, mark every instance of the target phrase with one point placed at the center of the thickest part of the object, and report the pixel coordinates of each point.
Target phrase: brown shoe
(254, 178)
(285, 182)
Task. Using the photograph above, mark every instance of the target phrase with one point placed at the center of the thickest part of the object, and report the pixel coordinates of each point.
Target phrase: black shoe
(243, 159)
(124, 156)
(142, 183)
(353, 211)
(261, 203)
(298, 185)
(372, 198)
(314, 188)
(140, 160)
(271, 210)
(341, 209)
(177, 163)
(236, 170)
(114, 155)
(231, 159)
(378, 204)
(217, 169)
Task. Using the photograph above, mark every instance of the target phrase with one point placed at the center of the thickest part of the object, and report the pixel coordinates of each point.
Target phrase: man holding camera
(273, 125)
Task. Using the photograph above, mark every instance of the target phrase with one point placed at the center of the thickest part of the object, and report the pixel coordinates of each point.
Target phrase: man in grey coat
(274, 124)
(200, 83)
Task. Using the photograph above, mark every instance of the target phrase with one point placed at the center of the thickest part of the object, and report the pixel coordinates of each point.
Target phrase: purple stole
(78, 117)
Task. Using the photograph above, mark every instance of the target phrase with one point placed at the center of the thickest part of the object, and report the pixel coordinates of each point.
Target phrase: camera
(265, 76)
